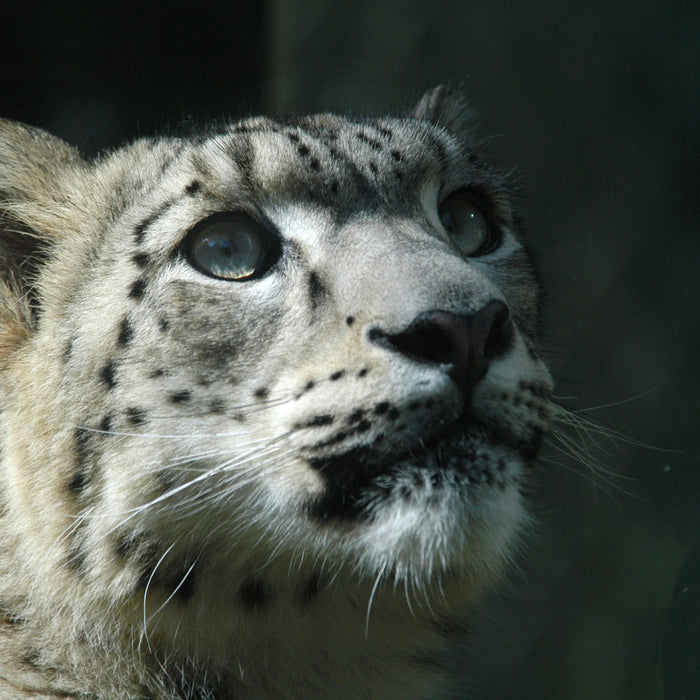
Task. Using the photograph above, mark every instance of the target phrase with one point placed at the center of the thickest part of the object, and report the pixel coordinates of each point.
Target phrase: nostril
(425, 340)
(467, 343)
(496, 327)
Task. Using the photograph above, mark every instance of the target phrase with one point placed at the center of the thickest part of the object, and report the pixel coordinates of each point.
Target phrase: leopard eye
(468, 227)
(231, 247)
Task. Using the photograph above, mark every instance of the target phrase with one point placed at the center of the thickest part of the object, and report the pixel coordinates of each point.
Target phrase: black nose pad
(467, 343)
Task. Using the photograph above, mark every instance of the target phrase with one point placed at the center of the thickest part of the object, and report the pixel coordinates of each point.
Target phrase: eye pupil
(448, 221)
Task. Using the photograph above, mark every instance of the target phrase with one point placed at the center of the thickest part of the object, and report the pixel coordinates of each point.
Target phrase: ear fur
(37, 174)
(441, 105)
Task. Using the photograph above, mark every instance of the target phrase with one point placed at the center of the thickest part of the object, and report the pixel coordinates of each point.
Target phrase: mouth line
(351, 475)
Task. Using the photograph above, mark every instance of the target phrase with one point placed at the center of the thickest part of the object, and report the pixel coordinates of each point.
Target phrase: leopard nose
(467, 344)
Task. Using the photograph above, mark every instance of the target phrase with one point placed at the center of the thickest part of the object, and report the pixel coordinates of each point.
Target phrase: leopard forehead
(347, 167)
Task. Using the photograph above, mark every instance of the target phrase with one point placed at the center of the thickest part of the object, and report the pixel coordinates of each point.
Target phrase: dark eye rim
(480, 201)
(270, 240)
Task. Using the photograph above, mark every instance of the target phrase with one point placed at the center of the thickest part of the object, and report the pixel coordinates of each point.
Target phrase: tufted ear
(37, 174)
(442, 106)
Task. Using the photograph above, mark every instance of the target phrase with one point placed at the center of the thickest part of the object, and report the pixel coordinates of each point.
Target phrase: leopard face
(272, 358)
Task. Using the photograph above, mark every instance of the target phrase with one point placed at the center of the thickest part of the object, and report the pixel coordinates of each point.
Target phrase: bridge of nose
(391, 272)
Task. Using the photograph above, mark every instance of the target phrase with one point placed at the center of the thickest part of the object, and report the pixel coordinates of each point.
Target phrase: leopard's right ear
(37, 176)
(40, 179)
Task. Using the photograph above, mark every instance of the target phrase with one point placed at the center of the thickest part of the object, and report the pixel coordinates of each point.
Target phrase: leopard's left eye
(467, 225)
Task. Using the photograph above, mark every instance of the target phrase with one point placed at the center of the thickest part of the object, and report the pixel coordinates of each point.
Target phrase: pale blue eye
(230, 248)
(467, 225)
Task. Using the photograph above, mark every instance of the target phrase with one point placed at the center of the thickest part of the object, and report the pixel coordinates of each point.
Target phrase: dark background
(596, 107)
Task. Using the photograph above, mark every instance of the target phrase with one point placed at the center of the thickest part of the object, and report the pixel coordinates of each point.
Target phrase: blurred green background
(595, 107)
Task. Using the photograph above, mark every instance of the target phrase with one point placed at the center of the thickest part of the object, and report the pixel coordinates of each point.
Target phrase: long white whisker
(145, 594)
(371, 598)
(175, 590)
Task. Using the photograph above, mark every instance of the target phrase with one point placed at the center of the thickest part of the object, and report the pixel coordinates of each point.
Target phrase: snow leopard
(270, 396)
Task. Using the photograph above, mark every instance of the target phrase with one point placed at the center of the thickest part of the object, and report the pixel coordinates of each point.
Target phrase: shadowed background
(595, 106)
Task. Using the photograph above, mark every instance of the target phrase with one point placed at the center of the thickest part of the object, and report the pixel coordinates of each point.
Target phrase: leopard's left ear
(445, 107)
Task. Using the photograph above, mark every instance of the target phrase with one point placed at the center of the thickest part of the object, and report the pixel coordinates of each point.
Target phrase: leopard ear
(37, 173)
(445, 107)
(40, 177)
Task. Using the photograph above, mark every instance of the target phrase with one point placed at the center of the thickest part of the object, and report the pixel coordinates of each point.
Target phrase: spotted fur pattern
(277, 487)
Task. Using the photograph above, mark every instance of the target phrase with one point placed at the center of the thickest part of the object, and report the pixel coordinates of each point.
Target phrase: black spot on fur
(76, 559)
(137, 289)
(140, 259)
(106, 424)
(382, 407)
(362, 427)
(107, 374)
(78, 482)
(156, 373)
(140, 230)
(32, 659)
(356, 416)
(68, 351)
(194, 187)
(316, 421)
(261, 393)
(396, 155)
(125, 332)
(163, 324)
(8, 617)
(81, 438)
(372, 143)
(350, 320)
(337, 375)
(186, 584)
(180, 396)
(303, 150)
(363, 372)
(135, 415)
(309, 385)
(394, 413)
(253, 595)
(217, 406)
(388, 134)
(125, 546)
(317, 290)
(243, 155)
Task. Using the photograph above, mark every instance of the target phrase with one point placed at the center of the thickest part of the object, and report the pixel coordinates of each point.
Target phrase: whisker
(145, 594)
(371, 598)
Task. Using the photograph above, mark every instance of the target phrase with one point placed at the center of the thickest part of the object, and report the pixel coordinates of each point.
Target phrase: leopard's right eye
(231, 247)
